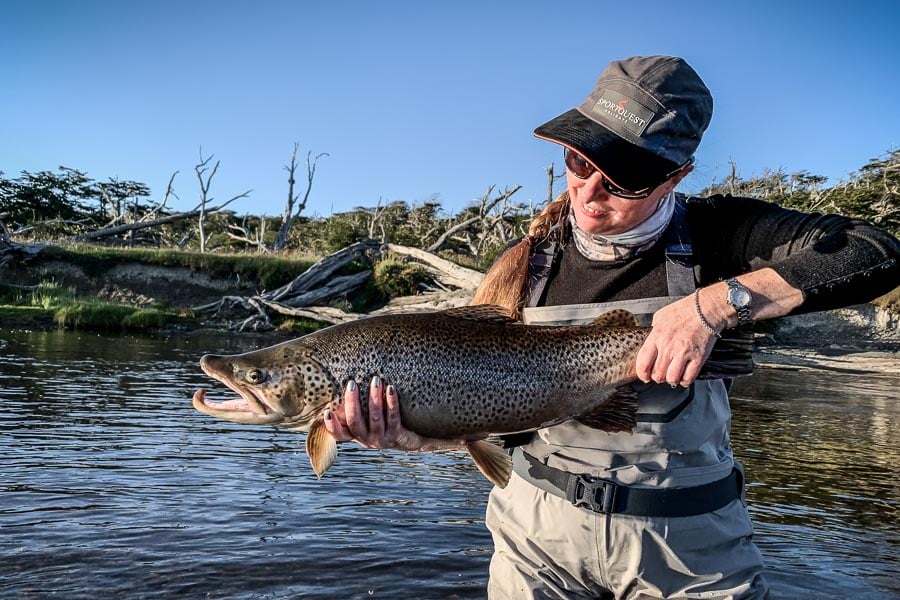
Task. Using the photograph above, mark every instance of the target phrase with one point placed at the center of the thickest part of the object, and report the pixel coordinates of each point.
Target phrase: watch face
(739, 297)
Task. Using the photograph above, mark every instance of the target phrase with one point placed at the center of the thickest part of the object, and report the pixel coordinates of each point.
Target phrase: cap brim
(627, 165)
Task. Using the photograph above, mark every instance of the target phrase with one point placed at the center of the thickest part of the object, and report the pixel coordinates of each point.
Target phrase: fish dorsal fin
(617, 413)
(618, 317)
(320, 447)
(492, 460)
(490, 313)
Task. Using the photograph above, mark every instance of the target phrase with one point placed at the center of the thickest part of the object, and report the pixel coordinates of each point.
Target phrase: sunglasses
(582, 169)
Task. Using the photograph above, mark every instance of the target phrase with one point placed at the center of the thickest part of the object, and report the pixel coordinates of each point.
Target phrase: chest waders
(678, 459)
(650, 515)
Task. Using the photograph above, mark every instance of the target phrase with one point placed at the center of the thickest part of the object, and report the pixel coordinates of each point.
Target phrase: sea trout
(462, 375)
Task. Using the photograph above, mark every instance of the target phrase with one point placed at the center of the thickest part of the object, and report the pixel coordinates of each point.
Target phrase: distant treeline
(55, 205)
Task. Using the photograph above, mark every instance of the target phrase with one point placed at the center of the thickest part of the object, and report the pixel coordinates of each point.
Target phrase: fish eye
(255, 376)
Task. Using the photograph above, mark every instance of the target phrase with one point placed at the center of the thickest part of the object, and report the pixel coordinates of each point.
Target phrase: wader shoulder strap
(679, 252)
(539, 266)
(679, 258)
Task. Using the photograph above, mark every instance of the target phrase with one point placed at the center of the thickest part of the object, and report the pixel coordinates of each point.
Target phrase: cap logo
(620, 112)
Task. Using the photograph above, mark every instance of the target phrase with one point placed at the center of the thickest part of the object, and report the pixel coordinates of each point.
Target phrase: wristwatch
(740, 298)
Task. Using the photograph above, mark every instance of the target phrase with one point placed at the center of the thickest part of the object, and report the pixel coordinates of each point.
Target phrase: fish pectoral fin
(616, 413)
(320, 447)
(618, 317)
(492, 460)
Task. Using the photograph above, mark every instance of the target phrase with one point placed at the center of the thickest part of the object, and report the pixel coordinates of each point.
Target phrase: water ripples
(113, 485)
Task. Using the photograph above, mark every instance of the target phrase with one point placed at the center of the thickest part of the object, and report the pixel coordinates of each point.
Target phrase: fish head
(277, 386)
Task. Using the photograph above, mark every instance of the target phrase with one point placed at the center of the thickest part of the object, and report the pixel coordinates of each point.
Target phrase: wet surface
(114, 486)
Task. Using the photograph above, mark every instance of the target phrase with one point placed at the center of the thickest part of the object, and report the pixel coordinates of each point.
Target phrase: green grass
(50, 303)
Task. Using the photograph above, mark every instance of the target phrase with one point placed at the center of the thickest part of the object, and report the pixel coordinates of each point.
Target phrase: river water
(113, 486)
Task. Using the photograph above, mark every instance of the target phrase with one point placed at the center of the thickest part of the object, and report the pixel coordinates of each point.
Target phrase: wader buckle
(595, 494)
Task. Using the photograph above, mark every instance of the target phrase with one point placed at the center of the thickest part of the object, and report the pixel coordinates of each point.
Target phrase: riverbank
(121, 290)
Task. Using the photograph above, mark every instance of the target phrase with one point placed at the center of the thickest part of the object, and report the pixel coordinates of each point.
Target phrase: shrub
(394, 277)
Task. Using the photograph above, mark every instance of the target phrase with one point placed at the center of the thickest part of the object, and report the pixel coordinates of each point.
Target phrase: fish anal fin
(617, 413)
(492, 460)
(489, 313)
(618, 317)
(320, 447)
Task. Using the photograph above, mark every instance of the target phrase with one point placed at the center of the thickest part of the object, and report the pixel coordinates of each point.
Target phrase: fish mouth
(240, 410)
(249, 408)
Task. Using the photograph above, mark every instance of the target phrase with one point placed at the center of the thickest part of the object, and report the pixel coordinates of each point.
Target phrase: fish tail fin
(492, 460)
(320, 447)
(731, 356)
(615, 413)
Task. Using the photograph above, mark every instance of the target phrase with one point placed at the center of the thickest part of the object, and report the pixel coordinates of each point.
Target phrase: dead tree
(477, 230)
(242, 233)
(202, 211)
(551, 181)
(375, 219)
(290, 215)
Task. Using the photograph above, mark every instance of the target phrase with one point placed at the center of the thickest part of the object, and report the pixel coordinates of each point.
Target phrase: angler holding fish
(620, 481)
(656, 512)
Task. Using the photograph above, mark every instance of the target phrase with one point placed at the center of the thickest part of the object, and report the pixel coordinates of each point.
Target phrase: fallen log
(444, 271)
(320, 271)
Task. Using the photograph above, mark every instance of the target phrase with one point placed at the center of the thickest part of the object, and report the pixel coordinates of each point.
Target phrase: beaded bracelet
(703, 320)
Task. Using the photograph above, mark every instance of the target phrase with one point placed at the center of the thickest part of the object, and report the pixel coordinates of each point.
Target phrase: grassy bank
(38, 300)
(267, 271)
(42, 294)
(51, 305)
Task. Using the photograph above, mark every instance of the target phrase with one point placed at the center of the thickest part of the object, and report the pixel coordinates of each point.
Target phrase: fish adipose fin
(618, 317)
(492, 460)
(616, 414)
(489, 313)
(320, 447)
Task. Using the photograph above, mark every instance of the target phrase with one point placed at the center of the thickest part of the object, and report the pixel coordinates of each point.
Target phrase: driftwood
(429, 302)
(326, 314)
(320, 271)
(306, 295)
(335, 288)
(14, 252)
(446, 272)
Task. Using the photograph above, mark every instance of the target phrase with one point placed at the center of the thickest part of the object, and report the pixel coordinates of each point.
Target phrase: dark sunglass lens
(580, 167)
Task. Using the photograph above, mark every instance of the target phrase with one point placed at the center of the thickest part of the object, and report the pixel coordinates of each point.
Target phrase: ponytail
(506, 284)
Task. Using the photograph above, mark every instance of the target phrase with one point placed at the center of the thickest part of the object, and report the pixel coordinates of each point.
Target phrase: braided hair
(506, 284)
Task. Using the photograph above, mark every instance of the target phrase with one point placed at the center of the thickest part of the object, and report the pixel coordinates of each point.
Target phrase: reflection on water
(821, 450)
(113, 486)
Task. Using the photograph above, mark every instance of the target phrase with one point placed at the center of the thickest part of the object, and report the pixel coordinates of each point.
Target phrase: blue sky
(416, 100)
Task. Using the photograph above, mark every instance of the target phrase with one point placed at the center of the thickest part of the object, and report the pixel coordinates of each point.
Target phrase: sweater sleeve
(835, 261)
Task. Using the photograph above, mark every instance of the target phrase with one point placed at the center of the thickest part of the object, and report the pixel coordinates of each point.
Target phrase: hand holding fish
(677, 346)
(382, 428)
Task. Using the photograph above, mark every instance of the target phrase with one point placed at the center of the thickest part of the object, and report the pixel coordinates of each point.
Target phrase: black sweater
(835, 261)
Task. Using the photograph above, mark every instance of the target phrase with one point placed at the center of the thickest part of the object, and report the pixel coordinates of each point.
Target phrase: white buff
(625, 245)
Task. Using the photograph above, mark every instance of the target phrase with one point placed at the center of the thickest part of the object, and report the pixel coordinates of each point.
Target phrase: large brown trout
(462, 375)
